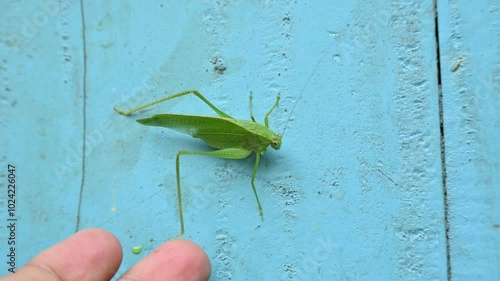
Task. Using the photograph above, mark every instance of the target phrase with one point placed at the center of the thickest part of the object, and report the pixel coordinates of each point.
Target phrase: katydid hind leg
(194, 92)
(229, 153)
(179, 195)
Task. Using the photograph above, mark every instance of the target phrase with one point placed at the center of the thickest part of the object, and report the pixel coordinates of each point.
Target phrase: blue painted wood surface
(470, 57)
(356, 191)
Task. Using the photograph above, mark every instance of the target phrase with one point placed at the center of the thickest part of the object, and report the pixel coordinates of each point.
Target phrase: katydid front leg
(266, 118)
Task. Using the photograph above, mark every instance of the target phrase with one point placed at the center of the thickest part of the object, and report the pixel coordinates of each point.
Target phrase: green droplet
(137, 250)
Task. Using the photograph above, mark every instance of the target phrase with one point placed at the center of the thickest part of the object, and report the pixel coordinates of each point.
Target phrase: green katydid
(233, 139)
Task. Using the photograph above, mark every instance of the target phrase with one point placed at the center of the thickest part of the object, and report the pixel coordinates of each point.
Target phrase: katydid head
(276, 142)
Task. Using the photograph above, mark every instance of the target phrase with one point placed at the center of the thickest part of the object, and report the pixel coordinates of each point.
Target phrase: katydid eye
(275, 143)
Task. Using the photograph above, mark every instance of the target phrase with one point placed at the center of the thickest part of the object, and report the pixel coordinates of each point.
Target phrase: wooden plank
(470, 60)
(355, 192)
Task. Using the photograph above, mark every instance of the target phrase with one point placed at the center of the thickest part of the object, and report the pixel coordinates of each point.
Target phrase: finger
(91, 254)
(174, 260)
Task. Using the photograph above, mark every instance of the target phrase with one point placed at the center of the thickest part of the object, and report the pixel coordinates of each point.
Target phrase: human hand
(95, 255)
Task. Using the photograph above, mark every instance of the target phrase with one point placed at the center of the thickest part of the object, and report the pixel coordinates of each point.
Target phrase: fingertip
(190, 256)
(173, 260)
(90, 254)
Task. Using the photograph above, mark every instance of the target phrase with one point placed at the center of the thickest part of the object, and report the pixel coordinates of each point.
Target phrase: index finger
(174, 260)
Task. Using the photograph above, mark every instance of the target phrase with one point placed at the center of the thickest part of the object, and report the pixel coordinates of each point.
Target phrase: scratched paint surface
(356, 191)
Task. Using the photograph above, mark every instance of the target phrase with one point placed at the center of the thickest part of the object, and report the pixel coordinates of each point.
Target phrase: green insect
(233, 139)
